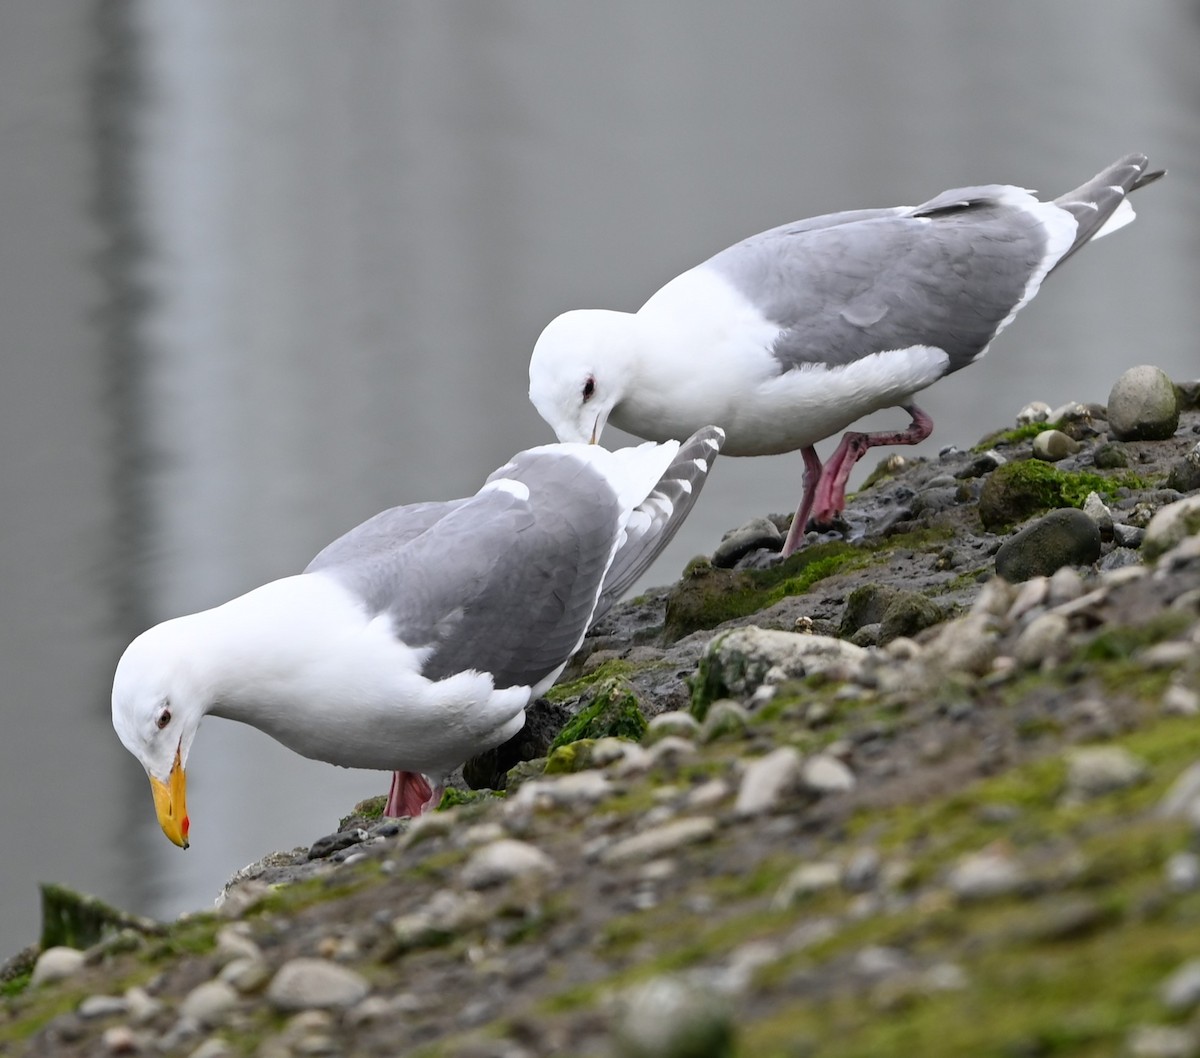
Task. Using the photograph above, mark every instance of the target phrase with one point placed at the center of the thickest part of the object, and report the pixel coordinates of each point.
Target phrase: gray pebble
(213, 1047)
(675, 722)
(55, 964)
(985, 876)
(504, 860)
(304, 983)
(768, 781)
(1171, 525)
(1053, 445)
(725, 719)
(1043, 639)
(1093, 771)
(1065, 537)
(1183, 872)
(247, 974)
(1096, 509)
(805, 880)
(1128, 535)
(1034, 411)
(1185, 474)
(658, 841)
(102, 1007)
(1182, 799)
(331, 843)
(753, 536)
(824, 774)
(669, 1018)
(1143, 405)
(209, 1004)
(1181, 991)
(862, 871)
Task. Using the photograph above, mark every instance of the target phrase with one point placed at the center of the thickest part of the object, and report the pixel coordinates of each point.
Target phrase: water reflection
(269, 268)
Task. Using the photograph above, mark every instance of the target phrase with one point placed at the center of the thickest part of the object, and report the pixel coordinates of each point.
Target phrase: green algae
(610, 669)
(613, 713)
(453, 797)
(1015, 435)
(1017, 490)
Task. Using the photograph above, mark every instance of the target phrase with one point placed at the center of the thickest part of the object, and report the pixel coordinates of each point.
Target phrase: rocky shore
(875, 799)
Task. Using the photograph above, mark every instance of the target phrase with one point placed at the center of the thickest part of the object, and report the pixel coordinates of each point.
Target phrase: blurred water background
(269, 267)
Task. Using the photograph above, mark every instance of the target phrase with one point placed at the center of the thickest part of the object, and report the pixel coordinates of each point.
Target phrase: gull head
(157, 705)
(580, 371)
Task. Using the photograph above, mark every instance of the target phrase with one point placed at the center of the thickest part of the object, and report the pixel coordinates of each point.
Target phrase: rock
(246, 975)
(215, 1047)
(446, 915)
(725, 719)
(660, 840)
(1161, 1041)
(675, 722)
(502, 861)
(1034, 411)
(824, 774)
(614, 712)
(735, 664)
(768, 781)
(1044, 638)
(1143, 405)
(331, 843)
(1185, 474)
(1093, 771)
(142, 1007)
(1128, 536)
(232, 944)
(1065, 537)
(806, 880)
(1183, 872)
(863, 870)
(102, 1007)
(908, 613)
(305, 983)
(755, 534)
(1170, 526)
(865, 605)
(1181, 991)
(209, 1004)
(121, 1039)
(668, 1018)
(1182, 800)
(55, 964)
(1096, 509)
(583, 787)
(986, 875)
(1110, 456)
(1053, 445)
(981, 465)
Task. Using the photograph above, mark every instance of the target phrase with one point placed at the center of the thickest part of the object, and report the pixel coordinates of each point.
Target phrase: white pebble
(209, 1004)
(55, 964)
(504, 860)
(767, 781)
(305, 983)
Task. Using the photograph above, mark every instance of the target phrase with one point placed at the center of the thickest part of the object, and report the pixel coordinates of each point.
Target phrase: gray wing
(656, 519)
(498, 582)
(842, 287)
(382, 534)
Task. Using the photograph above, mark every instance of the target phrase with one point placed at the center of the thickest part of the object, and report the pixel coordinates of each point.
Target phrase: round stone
(1171, 525)
(1053, 445)
(311, 984)
(668, 1018)
(756, 534)
(54, 964)
(501, 861)
(1143, 405)
(209, 1004)
(1065, 537)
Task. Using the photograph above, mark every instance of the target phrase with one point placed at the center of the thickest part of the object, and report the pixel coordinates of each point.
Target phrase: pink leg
(411, 795)
(831, 490)
(812, 474)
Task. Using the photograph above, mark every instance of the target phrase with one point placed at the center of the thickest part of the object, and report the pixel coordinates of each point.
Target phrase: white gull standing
(790, 336)
(416, 640)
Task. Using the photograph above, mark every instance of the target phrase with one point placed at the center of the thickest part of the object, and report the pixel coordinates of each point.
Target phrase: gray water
(268, 267)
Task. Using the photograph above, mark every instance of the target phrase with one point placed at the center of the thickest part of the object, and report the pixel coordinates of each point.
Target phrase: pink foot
(812, 475)
(830, 497)
(411, 795)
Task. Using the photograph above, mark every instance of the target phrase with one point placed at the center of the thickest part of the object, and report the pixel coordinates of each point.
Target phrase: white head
(581, 368)
(159, 697)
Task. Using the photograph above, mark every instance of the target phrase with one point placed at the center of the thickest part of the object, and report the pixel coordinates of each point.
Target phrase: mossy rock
(453, 797)
(77, 920)
(574, 756)
(1018, 490)
(909, 613)
(614, 712)
(866, 605)
(521, 773)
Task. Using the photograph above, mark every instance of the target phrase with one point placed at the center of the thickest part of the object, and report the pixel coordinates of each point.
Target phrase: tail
(658, 517)
(1101, 206)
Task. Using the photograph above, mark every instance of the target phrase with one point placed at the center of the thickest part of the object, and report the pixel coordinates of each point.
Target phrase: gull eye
(589, 389)
(164, 718)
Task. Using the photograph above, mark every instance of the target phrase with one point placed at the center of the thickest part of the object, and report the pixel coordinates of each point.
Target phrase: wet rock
(824, 774)
(1110, 457)
(768, 781)
(1170, 526)
(660, 840)
(304, 984)
(209, 1004)
(1097, 770)
(754, 535)
(55, 964)
(985, 876)
(908, 613)
(505, 860)
(669, 1018)
(331, 843)
(1143, 405)
(1053, 445)
(1185, 474)
(1065, 537)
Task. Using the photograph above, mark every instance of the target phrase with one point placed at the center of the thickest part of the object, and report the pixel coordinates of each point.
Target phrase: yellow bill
(170, 802)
